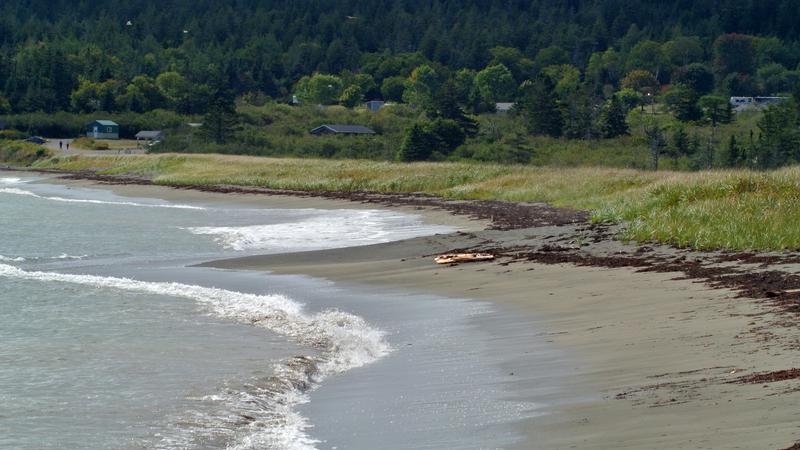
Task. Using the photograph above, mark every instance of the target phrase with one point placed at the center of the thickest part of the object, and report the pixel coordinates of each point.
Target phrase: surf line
(345, 341)
(17, 191)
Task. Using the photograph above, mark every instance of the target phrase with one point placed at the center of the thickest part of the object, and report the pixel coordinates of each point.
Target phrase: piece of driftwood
(462, 257)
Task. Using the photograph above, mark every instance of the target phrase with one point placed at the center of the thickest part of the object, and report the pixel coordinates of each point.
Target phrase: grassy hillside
(739, 210)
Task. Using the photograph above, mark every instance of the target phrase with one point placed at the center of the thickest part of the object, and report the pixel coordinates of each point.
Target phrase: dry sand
(655, 355)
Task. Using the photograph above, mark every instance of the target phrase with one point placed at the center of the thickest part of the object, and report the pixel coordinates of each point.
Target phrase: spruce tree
(540, 107)
(445, 105)
(416, 145)
(613, 119)
(733, 152)
(678, 146)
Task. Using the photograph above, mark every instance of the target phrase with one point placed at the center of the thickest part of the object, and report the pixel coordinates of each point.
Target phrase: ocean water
(110, 339)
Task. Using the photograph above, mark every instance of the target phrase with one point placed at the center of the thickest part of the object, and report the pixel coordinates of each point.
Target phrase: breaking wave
(10, 180)
(335, 229)
(40, 258)
(17, 191)
(262, 415)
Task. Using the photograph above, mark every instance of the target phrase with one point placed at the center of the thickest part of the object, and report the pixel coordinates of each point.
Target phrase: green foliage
(320, 89)
(433, 140)
(679, 145)
(421, 86)
(684, 50)
(89, 144)
(682, 101)
(495, 84)
(446, 105)
(716, 109)
(641, 81)
(779, 141)
(734, 53)
(392, 88)
(566, 78)
(629, 98)
(613, 122)
(696, 76)
(21, 153)
(416, 146)
(541, 108)
(352, 96)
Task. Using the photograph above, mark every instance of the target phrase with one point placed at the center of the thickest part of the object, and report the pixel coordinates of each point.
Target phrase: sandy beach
(655, 359)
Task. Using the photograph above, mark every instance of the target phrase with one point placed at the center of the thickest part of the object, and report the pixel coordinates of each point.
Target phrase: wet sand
(649, 361)
(655, 355)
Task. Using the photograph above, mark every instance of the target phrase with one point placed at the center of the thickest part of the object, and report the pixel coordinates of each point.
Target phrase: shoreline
(677, 358)
(670, 355)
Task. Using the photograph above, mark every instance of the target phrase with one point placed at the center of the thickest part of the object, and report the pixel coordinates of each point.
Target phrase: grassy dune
(740, 210)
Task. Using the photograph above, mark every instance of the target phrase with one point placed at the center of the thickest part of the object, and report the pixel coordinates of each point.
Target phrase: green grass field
(735, 209)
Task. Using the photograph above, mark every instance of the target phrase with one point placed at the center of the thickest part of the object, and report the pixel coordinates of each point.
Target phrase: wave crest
(344, 341)
(17, 191)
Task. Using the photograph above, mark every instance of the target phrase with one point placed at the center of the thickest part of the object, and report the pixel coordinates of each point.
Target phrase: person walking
(60, 145)
(67, 145)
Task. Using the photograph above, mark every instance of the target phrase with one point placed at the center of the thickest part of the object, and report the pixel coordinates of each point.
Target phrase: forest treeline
(574, 68)
(114, 55)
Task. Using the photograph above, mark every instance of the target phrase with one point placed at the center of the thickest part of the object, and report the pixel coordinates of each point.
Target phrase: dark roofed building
(341, 129)
(145, 135)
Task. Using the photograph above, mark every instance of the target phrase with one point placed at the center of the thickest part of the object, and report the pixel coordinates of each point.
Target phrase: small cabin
(150, 135)
(102, 129)
(341, 129)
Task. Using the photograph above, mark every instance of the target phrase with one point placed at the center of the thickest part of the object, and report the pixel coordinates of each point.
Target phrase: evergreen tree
(613, 119)
(779, 141)
(716, 109)
(656, 142)
(541, 108)
(678, 145)
(733, 155)
(445, 105)
(682, 101)
(219, 121)
(416, 144)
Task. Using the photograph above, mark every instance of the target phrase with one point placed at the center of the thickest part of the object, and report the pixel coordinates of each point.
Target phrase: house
(102, 129)
(341, 129)
(151, 136)
(743, 103)
(374, 105)
(503, 107)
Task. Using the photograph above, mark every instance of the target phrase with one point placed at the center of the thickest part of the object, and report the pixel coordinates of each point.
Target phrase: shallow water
(91, 357)
(108, 339)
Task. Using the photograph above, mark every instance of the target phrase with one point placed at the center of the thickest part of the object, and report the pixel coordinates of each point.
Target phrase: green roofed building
(102, 129)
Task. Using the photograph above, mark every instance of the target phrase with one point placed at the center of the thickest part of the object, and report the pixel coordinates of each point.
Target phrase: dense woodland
(575, 69)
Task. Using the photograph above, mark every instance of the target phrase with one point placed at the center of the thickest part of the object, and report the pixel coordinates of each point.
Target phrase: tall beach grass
(734, 209)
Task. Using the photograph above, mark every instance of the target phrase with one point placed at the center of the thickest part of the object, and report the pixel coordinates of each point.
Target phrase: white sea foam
(332, 230)
(10, 180)
(345, 341)
(66, 256)
(17, 191)
(39, 258)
